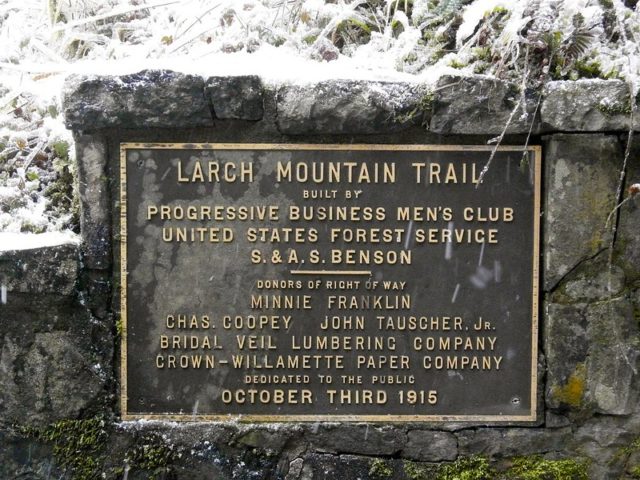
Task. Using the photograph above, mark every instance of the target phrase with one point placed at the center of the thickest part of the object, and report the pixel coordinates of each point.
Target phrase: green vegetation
(78, 445)
(522, 468)
(466, 468)
(616, 108)
(537, 468)
(470, 468)
(152, 454)
(634, 447)
(418, 471)
(422, 110)
(81, 450)
(380, 469)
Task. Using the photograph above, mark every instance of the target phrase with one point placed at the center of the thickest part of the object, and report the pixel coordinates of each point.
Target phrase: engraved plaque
(329, 282)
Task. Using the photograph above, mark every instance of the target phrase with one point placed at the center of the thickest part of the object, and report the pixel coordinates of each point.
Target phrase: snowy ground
(530, 41)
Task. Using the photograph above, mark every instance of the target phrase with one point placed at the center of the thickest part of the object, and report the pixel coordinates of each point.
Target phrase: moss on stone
(625, 455)
(417, 471)
(380, 469)
(521, 468)
(614, 108)
(119, 328)
(422, 110)
(80, 450)
(467, 468)
(573, 391)
(538, 468)
(77, 445)
(152, 454)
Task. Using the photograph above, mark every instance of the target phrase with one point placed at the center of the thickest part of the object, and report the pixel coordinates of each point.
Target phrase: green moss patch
(78, 445)
(84, 450)
(380, 469)
(537, 468)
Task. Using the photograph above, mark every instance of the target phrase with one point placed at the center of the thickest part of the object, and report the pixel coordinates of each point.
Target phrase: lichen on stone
(573, 391)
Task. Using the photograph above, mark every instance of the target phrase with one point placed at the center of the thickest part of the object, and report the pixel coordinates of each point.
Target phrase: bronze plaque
(329, 282)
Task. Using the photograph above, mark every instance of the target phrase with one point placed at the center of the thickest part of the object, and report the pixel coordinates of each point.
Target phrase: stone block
(614, 358)
(480, 106)
(358, 439)
(604, 439)
(150, 98)
(502, 442)
(581, 181)
(320, 467)
(430, 446)
(236, 97)
(628, 238)
(95, 215)
(39, 271)
(51, 380)
(21, 458)
(348, 107)
(598, 282)
(566, 345)
(588, 105)
(270, 439)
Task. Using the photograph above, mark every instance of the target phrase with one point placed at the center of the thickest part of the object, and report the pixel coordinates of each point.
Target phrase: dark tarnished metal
(329, 282)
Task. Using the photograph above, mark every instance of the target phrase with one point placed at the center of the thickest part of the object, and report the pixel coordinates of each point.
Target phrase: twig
(197, 20)
(33, 154)
(617, 207)
(498, 140)
(113, 13)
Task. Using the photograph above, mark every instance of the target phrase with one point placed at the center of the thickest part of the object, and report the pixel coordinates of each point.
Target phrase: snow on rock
(145, 99)
(287, 44)
(348, 107)
(10, 241)
(591, 105)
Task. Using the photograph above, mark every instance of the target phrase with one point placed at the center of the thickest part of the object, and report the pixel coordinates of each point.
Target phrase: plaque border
(494, 419)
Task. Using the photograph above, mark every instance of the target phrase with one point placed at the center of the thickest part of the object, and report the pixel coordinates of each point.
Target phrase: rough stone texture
(95, 218)
(430, 446)
(54, 357)
(591, 105)
(39, 271)
(239, 98)
(500, 443)
(35, 386)
(554, 420)
(358, 439)
(479, 106)
(348, 107)
(566, 346)
(150, 98)
(592, 356)
(581, 182)
(597, 283)
(613, 358)
(320, 467)
(604, 439)
(23, 459)
(628, 239)
(271, 439)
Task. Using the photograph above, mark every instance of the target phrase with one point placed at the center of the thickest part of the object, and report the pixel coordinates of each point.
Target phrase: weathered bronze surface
(329, 282)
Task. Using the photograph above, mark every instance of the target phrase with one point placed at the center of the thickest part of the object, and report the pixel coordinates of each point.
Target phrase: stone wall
(59, 331)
